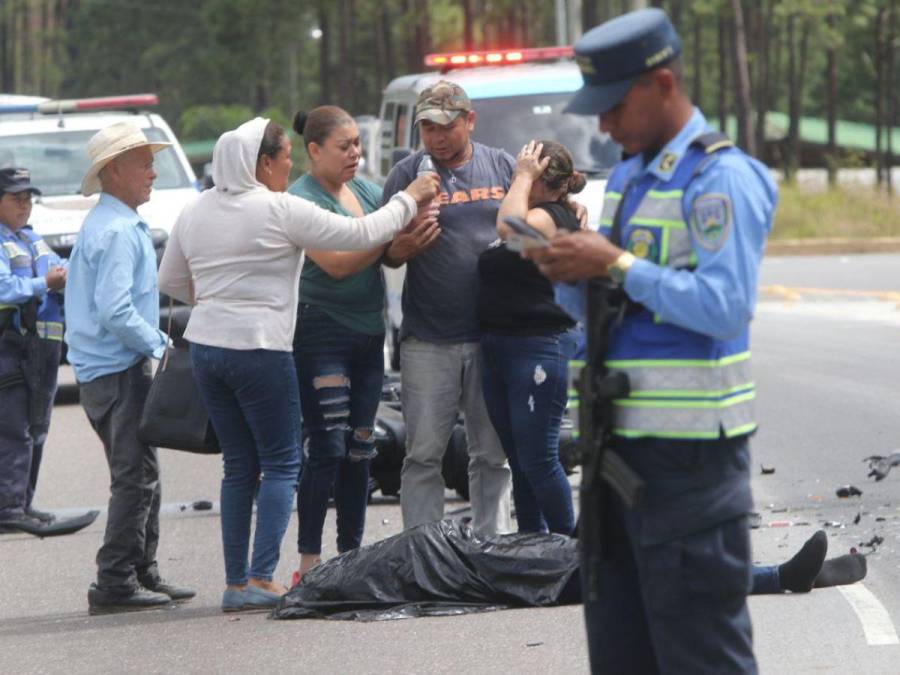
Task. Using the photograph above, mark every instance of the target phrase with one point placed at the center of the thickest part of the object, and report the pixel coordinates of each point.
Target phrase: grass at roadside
(846, 212)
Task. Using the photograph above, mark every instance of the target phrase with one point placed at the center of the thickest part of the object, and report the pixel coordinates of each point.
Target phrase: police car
(518, 95)
(49, 138)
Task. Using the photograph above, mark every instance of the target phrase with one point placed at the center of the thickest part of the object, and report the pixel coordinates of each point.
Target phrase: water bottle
(426, 165)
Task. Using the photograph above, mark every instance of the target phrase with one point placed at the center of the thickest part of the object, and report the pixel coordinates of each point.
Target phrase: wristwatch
(619, 267)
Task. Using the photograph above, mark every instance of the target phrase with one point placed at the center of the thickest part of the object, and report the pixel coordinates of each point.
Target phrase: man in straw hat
(112, 316)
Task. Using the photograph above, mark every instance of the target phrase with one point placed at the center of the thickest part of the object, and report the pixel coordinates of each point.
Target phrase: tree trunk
(697, 93)
(325, 91)
(743, 102)
(879, 95)
(763, 92)
(468, 25)
(721, 94)
(831, 154)
(892, 93)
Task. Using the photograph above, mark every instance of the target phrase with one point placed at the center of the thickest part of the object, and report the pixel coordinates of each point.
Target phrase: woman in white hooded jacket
(235, 255)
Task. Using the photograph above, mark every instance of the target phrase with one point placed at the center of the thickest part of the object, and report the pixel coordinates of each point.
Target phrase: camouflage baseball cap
(442, 103)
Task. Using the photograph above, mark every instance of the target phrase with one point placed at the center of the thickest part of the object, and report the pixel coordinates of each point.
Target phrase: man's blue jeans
(524, 383)
(341, 372)
(254, 406)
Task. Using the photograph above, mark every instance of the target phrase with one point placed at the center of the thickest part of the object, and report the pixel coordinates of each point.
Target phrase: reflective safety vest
(684, 385)
(29, 256)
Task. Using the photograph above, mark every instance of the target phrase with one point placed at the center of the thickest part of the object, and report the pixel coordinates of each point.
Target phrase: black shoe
(32, 525)
(23, 522)
(156, 584)
(45, 516)
(106, 602)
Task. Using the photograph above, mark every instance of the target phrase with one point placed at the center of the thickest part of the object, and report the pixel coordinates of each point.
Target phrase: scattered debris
(880, 519)
(754, 520)
(873, 542)
(781, 509)
(832, 523)
(814, 498)
(857, 519)
(533, 644)
(881, 466)
(182, 507)
(766, 470)
(202, 505)
(385, 521)
(848, 491)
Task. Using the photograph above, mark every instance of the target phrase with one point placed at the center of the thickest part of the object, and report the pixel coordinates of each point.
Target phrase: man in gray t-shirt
(440, 356)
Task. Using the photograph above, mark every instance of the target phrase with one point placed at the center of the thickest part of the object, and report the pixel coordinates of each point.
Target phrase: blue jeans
(341, 372)
(765, 580)
(524, 383)
(254, 406)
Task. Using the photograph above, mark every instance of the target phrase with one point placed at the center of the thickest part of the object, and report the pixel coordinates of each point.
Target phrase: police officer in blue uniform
(684, 223)
(32, 277)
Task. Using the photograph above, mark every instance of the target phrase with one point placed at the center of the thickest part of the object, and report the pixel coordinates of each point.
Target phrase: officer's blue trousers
(21, 441)
(674, 574)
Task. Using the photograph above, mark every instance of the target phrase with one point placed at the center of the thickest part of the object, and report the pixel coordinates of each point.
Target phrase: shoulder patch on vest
(711, 218)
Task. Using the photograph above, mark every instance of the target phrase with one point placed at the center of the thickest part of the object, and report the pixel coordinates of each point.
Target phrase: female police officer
(685, 221)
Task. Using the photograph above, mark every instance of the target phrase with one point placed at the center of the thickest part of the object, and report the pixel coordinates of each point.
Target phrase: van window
(387, 137)
(58, 160)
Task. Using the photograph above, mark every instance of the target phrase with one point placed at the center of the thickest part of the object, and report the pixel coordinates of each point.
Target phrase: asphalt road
(827, 368)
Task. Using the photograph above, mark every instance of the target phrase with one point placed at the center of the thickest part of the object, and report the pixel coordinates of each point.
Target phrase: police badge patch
(642, 244)
(711, 220)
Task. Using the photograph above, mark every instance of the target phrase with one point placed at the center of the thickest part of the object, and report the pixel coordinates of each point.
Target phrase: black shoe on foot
(798, 574)
(156, 584)
(106, 602)
(23, 522)
(44, 516)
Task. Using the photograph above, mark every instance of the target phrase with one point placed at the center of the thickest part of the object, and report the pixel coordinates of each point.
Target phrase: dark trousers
(21, 438)
(675, 574)
(113, 404)
(341, 372)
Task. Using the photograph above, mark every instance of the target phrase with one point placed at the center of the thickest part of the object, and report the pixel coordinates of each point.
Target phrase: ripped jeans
(341, 372)
(524, 380)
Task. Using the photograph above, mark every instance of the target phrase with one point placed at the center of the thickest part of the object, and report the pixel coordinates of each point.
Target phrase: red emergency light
(83, 104)
(448, 60)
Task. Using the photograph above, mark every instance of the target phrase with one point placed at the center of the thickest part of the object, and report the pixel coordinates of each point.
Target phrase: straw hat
(109, 143)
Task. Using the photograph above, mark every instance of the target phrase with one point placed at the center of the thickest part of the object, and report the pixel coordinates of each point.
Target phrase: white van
(518, 95)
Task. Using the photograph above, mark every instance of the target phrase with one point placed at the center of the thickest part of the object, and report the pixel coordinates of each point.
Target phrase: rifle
(31, 365)
(603, 468)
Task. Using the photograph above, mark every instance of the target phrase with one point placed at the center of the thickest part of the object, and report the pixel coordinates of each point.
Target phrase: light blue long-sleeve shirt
(112, 299)
(718, 297)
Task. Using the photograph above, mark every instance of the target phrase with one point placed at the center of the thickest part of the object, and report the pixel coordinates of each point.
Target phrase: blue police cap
(614, 54)
(15, 180)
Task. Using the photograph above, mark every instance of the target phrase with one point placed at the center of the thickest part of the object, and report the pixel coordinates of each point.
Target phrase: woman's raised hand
(528, 161)
(424, 188)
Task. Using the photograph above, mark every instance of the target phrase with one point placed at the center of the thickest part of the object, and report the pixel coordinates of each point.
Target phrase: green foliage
(202, 122)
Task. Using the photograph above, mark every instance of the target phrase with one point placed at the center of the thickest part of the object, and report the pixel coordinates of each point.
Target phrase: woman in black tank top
(525, 349)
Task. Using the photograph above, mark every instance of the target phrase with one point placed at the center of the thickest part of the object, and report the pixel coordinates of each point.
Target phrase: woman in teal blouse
(339, 339)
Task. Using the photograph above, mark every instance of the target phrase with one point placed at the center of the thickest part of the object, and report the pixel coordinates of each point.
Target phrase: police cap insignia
(711, 220)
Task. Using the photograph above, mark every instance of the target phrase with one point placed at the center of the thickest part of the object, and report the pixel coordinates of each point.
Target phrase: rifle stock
(603, 468)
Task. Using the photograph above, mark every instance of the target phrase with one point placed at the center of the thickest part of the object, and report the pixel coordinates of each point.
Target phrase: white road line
(875, 620)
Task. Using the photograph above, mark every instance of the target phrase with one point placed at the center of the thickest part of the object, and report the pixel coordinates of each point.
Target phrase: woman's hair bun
(300, 121)
(577, 181)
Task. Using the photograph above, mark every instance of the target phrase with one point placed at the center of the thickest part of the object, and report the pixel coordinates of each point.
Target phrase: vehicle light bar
(83, 104)
(495, 57)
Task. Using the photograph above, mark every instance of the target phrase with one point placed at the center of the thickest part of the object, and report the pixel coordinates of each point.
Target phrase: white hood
(234, 157)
